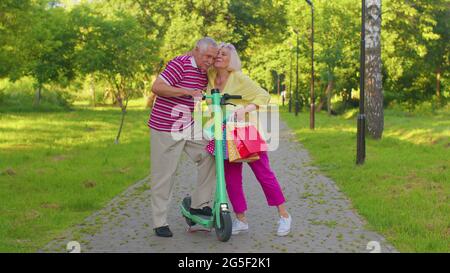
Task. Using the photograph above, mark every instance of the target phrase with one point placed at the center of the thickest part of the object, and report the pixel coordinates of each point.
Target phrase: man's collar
(194, 64)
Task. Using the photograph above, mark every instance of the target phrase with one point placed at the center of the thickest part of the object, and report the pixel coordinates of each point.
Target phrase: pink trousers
(264, 175)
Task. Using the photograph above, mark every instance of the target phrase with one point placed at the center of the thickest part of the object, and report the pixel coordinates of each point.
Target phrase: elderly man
(183, 79)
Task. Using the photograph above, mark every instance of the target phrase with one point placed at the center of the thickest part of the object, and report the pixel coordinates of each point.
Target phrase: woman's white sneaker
(238, 227)
(284, 226)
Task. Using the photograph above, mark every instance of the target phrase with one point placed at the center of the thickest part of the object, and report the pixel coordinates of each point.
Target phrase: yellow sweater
(240, 84)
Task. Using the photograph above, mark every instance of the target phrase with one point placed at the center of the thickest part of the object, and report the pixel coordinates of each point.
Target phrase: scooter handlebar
(224, 97)
(227, 97)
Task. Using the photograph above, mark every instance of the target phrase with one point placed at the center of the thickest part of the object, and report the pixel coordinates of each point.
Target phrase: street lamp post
(297, 106)
(311, 109)
(290, 80)
(361, 139)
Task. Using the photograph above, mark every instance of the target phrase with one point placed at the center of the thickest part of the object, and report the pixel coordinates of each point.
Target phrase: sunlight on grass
(56, 168)
(403, 189)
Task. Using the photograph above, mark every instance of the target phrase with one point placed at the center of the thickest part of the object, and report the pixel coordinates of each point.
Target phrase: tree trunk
(322, 100)
(319, 106)
(124, 111)
(37, 99)
(373, 80)
(278, 85)
(438, 85)
(121, 126)
(328, 92)
(345, 99)
(93, 91)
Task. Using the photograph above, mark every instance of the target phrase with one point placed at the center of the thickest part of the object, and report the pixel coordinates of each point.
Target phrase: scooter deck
(206, 221)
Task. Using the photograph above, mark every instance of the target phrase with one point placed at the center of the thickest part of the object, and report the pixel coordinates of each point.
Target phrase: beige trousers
(165, 154)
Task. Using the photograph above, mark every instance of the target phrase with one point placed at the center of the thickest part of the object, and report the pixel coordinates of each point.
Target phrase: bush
(2, 97)
(20, 96)
(83, 92)
(58, 97)
(340, 107)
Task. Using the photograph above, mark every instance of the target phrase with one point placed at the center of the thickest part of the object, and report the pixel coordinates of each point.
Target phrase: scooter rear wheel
(224, 232)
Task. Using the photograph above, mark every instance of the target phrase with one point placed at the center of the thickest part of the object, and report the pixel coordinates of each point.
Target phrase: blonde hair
(235, 61)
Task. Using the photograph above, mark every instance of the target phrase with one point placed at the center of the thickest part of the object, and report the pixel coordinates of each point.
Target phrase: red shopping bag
(249, 140)
(234, 156)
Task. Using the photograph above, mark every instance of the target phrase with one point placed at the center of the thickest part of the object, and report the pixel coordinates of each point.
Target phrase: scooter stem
(218, 142)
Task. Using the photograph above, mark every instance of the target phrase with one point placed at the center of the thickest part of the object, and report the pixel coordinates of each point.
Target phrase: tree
(415, 50)
(15, 19)
(263, 33)
(336, 46)
(373, 80)
(437, 60)
(38, 40)
(116, 48)
(42, 38)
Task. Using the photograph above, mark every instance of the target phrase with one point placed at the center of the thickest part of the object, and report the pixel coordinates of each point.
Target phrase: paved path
(323, 219)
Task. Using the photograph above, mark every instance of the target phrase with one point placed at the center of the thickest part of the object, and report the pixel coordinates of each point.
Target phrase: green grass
(56, 168)
(403, 189)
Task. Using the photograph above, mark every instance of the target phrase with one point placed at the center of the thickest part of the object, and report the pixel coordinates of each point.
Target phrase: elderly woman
(228, 78)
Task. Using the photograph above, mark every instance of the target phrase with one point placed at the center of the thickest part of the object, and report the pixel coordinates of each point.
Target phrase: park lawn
(56, 168)
(403, 189)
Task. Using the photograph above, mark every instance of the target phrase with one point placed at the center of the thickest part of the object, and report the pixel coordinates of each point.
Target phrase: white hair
(235, 61)
(204, 43)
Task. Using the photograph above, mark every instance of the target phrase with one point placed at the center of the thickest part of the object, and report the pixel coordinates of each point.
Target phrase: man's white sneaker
(284, 226)
(238, 227)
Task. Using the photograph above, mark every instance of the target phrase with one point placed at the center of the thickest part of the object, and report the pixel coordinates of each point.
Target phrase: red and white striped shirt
(174, 114)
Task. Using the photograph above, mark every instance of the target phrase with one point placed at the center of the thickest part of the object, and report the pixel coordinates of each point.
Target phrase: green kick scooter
(221, 218)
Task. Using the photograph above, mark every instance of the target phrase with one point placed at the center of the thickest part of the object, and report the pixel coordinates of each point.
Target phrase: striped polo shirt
(174, 114)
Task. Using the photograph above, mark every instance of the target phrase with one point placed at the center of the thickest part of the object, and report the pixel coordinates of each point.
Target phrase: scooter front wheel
(224, 232)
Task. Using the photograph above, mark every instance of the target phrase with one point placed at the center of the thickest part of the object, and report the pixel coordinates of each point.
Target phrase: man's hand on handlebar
(196, 94)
